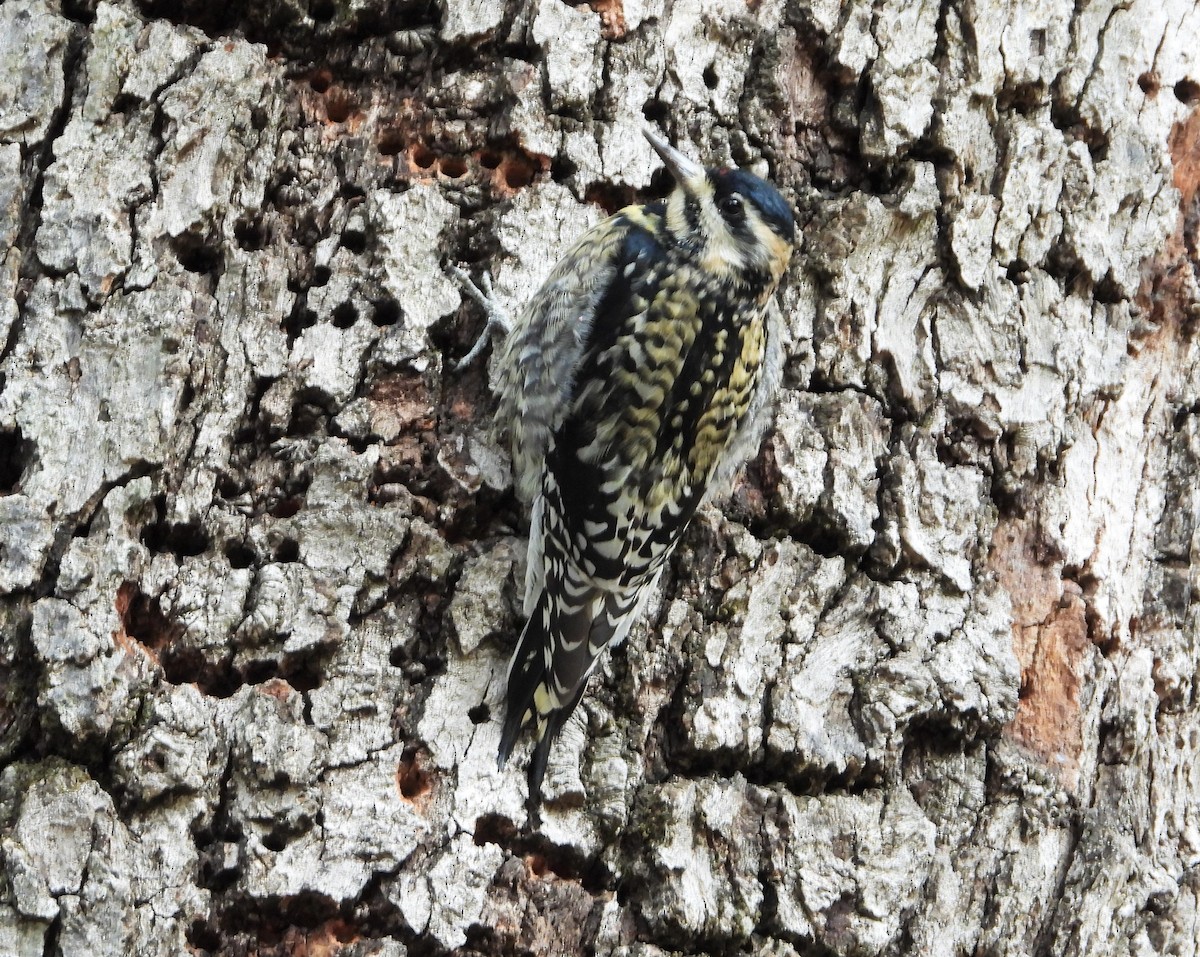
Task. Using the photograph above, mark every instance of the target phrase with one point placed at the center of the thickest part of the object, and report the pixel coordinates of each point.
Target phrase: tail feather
(525, 673)
(549, 670)
(541, 751)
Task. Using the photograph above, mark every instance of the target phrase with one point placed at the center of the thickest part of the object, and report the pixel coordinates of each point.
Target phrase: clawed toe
(497, 318)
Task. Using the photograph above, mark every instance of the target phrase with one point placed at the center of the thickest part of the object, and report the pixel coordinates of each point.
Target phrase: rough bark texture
(926, 683)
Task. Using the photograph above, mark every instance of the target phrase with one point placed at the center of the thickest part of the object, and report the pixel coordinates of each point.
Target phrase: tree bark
(925, 683)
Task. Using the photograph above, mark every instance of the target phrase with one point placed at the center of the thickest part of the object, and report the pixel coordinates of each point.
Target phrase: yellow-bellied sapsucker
(634, 383)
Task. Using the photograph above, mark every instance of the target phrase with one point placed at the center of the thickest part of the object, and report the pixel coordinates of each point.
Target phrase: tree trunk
(925, 683)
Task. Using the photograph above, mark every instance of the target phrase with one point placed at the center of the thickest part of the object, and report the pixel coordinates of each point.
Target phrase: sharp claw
(476, 350)
(482, 294)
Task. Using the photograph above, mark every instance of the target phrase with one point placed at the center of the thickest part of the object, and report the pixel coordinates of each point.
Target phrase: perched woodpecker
(633, 384)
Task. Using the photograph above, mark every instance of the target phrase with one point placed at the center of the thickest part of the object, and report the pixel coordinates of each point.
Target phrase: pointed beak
(682, 168)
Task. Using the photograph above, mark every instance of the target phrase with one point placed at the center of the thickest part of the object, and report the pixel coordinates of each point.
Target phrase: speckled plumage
(632, 384)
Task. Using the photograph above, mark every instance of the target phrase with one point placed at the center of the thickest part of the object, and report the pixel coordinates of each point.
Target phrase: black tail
(525, 673)
(556, 651)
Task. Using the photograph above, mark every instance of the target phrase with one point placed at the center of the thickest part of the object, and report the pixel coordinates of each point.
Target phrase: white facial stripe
(725, 249)
(676, 214)
(723, 253)
(777, 248)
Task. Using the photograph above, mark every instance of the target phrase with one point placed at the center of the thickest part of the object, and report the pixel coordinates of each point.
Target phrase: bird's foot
(497, 318)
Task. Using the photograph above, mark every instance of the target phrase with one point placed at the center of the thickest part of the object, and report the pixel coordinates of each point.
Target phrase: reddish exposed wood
(1050, 638)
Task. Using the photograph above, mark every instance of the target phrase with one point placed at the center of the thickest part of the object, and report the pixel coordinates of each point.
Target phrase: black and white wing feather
(535, 374)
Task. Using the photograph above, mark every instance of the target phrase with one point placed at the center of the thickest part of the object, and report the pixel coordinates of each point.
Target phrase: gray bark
(925, 683)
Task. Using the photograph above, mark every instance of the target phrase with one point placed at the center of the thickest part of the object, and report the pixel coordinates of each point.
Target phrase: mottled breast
(668, 374)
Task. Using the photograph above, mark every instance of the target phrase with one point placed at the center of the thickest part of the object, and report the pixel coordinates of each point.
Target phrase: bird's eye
(732, 209)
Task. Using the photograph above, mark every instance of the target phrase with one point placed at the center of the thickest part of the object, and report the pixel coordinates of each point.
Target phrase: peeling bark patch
(401, 402)
(1184, 144)
(1051, 652)
(326, 940)
(276, 688)
(1050, 639)
(612, 18)
(1168, 287)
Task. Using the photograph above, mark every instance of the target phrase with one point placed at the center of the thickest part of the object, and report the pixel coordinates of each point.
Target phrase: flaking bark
(923, 684)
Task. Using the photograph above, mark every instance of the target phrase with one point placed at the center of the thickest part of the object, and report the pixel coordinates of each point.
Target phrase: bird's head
(738, 226)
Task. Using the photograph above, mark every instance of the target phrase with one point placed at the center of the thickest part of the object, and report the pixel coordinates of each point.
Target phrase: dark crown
(773, 208)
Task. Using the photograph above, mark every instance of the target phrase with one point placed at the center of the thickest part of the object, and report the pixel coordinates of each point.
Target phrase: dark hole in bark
(390, 141)
(1187, 91)
(306, 419)
(494, 829)
(480, 714)
(344, 315)
(183, 666)
(302, 672)
(422, 156)
(299, 319)
(1148, 83)
(562, 169)
(259, 672)
(656, 112)
(490, 159)
(81, 11)
(305, 671)
(1018, 272)
(321, 275)
(339, 105)
(275, 841)
(518, 173)
(287, 551)
(608, 196)
(322, 11)
(1097, 145)
(710, 77)
(320, 80)
(286, 508)
(272, 921)
(16, 452)
(181, 539)
(1108, 291)
(1023, 98)
(240, 555)
(355, 241)
(204, 937)
(196, 257)
(143, 619)
(228, 487)
(454, 167)
(250, 234)
(412, 779)
(385, 312)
